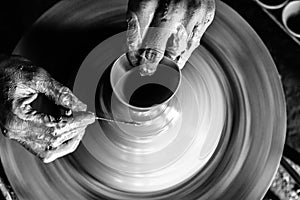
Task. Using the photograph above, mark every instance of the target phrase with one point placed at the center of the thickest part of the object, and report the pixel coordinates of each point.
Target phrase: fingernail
(50, 124)
(68, 112)
(91, 113)
(52, 119)
(89, 118)
(153, 55)
(59, 119)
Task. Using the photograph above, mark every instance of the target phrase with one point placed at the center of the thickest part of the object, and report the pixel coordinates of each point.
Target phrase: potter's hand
(165, 27)
(40, 133)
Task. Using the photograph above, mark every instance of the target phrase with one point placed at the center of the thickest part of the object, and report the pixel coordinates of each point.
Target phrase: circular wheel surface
(228, 129)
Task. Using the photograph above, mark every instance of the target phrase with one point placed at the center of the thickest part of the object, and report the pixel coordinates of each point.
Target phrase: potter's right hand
(165, 27)
(43, 135)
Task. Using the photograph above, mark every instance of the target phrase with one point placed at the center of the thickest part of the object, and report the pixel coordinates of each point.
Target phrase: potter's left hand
(40, 133)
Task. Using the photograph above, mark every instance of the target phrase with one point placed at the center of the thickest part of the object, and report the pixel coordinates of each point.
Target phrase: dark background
(16, 16)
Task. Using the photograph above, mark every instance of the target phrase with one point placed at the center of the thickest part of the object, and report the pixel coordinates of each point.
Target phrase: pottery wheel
(229, 124)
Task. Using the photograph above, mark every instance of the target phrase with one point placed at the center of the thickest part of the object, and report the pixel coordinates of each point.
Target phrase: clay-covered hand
(44, 135)
(165, 27)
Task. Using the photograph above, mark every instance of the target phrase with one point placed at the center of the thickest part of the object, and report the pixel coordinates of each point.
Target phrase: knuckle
(62, 123)
(153, 55)
(66, 96)
(64, 90)
(50, 131)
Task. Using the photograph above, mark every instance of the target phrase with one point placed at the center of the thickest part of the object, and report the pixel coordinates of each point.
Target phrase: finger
(79, 119)
(67, 136)
(192, 44)
(69, 127)
(139, 17)
(18, 128)
(168, 17)
(34, 138)
(177, 43)
(198, 22)
(64, 149)
(149, 60)
(63, 96)
(28, 100)
(199, 12)
(144, 11)
(201, 18)
(134, 39)
(182, 43)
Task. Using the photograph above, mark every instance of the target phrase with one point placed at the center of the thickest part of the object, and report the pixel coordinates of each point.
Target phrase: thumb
(150, 59)
(79, 119)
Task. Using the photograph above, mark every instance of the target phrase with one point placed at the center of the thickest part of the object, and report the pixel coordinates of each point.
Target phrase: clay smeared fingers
(134, 37)
(192, 44)
(199, 16)
(168, 16)
(139, 16)
(77, 141)
(200, 12)
(60, 139)
(63, 96)
(179, 40)
(19, 129)
(77, 120)
(144, 11)
(175, 30)
(64, 149)
(177, 43)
